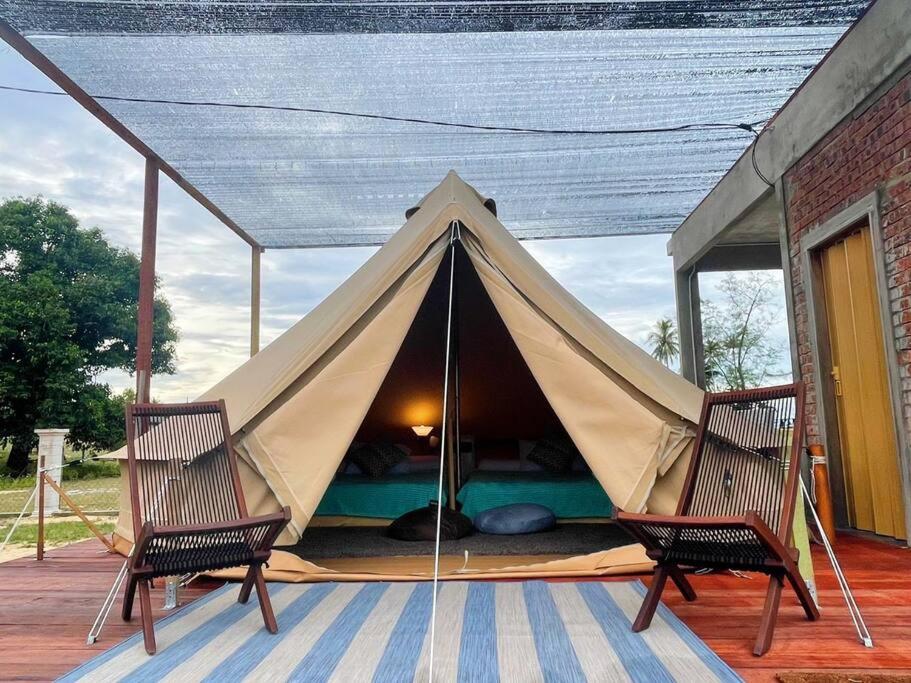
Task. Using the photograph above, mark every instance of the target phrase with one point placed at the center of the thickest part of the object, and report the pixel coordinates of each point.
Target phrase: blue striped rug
(349, 632)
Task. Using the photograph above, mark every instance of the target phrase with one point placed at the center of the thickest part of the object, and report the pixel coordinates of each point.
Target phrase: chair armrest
(683, 520)
(751, 520)
(281, 518)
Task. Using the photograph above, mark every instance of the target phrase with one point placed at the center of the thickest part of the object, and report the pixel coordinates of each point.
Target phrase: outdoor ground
(92, 485)
(46, 610)
(58, 532)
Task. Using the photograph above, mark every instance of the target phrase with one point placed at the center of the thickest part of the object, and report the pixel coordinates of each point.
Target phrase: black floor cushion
(421, 525)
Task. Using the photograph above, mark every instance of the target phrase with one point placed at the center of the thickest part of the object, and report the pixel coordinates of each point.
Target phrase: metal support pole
(255, 277)
(145, 315)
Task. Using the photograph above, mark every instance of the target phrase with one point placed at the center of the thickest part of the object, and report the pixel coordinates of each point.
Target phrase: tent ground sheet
(319, 543)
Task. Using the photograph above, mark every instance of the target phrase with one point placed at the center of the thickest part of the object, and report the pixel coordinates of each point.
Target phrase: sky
(52, 147)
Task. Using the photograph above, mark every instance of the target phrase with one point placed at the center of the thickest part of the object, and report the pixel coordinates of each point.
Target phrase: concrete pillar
(689, 326)
(50, 446)
(784, 240)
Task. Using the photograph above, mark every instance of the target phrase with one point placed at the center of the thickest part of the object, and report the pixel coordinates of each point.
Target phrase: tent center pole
(443, 444)
(455, 440)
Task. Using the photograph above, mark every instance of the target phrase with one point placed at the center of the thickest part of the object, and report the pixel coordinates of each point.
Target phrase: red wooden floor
(46, 610)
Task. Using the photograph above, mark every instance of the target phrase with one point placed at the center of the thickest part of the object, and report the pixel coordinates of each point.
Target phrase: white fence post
(50, 445)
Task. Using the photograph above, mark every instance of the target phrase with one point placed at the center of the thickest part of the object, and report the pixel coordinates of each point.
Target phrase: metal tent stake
(862, 632)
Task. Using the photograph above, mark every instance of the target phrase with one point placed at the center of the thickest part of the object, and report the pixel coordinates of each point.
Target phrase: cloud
(628, 281)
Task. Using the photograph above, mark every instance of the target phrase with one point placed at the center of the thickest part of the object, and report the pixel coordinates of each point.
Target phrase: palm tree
(663, 340)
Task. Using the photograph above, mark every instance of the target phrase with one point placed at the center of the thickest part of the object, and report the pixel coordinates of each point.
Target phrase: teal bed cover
(573, 495)
(356, 495)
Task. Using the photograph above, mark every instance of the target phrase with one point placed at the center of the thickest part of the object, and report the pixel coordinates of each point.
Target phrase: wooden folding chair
(188, 507)
(737, 504)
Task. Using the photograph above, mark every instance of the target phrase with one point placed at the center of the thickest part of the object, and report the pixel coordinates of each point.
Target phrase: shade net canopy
(304, 179)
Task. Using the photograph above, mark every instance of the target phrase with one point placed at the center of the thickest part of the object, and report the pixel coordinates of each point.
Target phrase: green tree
(67, 312)
(97, 420)
(664, 342)
(738, 350)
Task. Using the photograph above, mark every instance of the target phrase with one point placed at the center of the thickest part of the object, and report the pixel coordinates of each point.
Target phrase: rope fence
(98, 495)
(51, 497)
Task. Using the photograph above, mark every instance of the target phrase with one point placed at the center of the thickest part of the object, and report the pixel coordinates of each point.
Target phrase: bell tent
(369, 363)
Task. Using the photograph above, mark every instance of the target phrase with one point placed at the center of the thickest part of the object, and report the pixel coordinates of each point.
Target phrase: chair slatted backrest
(746, 456)
(182, 465)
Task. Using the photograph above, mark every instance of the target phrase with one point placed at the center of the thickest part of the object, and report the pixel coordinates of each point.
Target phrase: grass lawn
(55, 533)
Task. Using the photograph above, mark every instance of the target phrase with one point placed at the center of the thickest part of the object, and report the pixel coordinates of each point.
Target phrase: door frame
(864, 212)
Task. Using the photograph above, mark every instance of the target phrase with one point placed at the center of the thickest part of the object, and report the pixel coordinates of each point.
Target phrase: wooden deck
(46, 610)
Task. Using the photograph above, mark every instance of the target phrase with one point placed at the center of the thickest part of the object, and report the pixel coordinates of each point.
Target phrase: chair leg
(652, 598)
(683, 585)
(128, 594)
(247, 586)
(769, 616)
(148, 623)
(803, 594)
(264, 603)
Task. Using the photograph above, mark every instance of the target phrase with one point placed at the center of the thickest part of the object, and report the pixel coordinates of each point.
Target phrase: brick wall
(870, 151)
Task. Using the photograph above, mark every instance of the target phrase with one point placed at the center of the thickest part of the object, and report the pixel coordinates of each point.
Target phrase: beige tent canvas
(296, 407)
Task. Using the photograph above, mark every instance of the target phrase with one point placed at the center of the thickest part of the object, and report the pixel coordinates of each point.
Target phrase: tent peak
(453, 190)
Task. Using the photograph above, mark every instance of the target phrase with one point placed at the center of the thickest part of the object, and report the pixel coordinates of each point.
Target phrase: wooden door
(858, 374)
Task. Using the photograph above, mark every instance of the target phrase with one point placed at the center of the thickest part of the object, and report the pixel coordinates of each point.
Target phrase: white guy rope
(436, 545)
(41, 470)
(95, 631)
(18, 519)
(98, 624)
(862, 632)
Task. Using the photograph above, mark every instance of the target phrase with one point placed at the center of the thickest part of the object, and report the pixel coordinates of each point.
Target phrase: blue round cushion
(519, 518)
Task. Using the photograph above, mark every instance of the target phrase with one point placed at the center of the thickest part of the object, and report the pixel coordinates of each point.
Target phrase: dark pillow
(518, 518)
(375, 459)
(421, 525)
(555, 455)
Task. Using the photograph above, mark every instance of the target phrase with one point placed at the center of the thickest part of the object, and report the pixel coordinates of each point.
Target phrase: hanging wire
(756, 134)
(749, 127)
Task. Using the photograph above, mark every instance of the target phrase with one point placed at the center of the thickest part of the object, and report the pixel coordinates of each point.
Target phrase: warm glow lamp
(422, 430)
